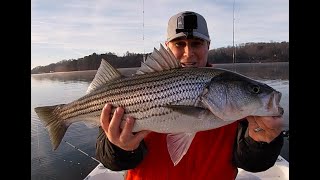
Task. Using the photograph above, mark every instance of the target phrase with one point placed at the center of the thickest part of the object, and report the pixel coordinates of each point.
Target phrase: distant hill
(244, 53)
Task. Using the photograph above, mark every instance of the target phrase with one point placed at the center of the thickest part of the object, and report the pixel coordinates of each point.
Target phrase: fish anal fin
(178, 145)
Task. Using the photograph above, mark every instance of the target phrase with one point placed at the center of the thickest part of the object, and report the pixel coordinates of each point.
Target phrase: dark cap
(187, 24)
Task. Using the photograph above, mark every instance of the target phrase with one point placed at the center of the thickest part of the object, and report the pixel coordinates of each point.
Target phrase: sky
(63, 30)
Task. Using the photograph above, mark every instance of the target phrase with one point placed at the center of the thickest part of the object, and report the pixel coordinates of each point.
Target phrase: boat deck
(280, 171)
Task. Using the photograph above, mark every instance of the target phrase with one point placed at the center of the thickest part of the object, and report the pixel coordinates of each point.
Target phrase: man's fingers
(139, 136)
(127, 129)
(269, 123)
(252, 122)
(261, 124)
(105, 117)
(114, 126)
(127, 134)
(123, 138)
(274, 122)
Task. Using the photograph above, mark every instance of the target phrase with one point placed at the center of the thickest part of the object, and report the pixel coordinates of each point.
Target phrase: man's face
(190, 52)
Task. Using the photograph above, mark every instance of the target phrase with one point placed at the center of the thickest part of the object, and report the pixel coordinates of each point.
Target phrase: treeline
(243, 53)
(251, 53)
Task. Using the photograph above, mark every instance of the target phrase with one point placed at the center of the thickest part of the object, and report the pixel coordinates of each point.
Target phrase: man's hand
(123, 138)
(264, 129)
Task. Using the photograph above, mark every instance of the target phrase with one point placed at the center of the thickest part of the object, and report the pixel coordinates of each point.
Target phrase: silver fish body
(177, 101)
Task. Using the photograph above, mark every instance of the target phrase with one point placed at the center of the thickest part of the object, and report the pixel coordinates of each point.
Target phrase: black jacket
(248, 154)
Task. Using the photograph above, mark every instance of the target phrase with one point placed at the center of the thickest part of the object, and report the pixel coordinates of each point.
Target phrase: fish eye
(255, 89)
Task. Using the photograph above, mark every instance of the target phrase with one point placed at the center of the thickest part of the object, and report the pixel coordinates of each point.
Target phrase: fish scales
(142, 93)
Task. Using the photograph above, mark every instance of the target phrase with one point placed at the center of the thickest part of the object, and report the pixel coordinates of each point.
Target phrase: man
(253, 143)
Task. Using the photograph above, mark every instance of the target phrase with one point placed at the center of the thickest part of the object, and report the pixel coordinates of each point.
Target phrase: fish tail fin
(53, 122)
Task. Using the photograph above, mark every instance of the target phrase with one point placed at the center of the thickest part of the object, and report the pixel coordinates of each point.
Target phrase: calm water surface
(69, 163)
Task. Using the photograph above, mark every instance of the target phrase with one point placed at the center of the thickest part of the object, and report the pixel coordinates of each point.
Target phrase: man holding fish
(252, 143)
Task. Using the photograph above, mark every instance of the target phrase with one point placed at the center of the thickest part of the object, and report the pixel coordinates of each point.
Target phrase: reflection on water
(67, 162)
(76, 76)
(66, 76)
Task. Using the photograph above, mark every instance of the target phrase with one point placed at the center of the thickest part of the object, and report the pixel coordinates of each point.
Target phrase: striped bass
(164, 97)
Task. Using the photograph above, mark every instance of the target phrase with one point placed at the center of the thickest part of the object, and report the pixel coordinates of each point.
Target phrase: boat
(279, 171)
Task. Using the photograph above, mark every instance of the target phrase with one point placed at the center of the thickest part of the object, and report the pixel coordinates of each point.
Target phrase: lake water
(67, 162)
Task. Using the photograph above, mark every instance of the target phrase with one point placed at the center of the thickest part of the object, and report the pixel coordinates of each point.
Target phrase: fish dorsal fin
(105, 73)
(159, 60)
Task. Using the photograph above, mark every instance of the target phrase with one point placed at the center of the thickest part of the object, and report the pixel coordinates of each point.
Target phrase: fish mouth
(277, 95)
(280, 110)
(277, 98)
(273, 104)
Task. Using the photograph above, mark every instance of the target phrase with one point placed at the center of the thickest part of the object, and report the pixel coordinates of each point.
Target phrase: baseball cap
(187, 24)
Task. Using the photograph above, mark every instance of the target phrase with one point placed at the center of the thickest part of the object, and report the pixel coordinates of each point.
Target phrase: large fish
(166, 98)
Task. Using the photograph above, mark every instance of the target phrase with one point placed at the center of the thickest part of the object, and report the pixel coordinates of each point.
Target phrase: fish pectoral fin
(178, 145)
(188, 110)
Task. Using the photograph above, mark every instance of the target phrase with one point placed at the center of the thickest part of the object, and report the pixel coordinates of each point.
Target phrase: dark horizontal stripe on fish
(165, 96)
(123, 101)
(115, 91)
